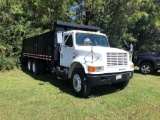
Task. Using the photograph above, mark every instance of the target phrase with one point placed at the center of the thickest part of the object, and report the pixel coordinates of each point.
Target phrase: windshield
(93, 39)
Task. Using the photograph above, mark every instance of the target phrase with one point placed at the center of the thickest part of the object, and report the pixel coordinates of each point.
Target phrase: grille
(117, 59)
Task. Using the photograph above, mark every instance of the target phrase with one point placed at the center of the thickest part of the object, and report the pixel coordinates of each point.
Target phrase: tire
(29, 65)
(79, 83)
(146, 68)
(35, 67)
(120, 85)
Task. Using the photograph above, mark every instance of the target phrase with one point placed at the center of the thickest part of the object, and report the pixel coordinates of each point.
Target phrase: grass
(24, 96)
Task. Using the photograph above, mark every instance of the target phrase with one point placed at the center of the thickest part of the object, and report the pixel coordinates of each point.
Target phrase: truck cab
(87, 59)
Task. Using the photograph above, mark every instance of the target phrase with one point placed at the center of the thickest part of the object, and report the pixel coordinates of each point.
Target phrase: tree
(124, 21)
(146, 28)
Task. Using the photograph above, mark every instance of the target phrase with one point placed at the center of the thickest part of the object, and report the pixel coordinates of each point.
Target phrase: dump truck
(80, 53)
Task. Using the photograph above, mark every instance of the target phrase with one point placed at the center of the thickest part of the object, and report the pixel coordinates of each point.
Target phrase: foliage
(124, 21)
(7, 59)
(7, 63)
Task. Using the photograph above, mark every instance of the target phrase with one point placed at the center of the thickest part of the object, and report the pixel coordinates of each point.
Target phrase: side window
(159, 55)
(68, 40)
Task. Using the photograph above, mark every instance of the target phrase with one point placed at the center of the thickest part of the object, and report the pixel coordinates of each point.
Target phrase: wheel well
(73, 67)
(147, 61)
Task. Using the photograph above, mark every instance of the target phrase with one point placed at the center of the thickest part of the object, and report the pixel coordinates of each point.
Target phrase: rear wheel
(146, 68)
(36, 67)
(29, 65)
(120, 85)
(79, 83)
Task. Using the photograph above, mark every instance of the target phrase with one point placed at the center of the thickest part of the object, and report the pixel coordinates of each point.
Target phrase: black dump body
(45, 46)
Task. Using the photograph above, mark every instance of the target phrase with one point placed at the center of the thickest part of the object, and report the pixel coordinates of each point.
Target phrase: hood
(100, 49)
(99, 53)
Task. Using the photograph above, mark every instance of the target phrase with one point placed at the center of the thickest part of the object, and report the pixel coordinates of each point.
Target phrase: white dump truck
(79, 53)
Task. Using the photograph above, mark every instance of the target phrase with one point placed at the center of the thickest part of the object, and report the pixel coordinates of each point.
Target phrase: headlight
(95, 69)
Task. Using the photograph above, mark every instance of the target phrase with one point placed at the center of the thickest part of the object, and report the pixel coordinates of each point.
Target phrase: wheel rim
(29, 66)
(77, 82)
(145, 69)
(33, 67)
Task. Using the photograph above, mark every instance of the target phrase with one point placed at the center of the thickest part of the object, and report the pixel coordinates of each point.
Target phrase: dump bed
(45, 46)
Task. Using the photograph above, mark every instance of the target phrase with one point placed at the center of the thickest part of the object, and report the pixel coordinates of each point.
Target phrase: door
(66, 52)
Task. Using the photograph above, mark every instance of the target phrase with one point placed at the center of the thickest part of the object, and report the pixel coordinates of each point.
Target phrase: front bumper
(95, 80)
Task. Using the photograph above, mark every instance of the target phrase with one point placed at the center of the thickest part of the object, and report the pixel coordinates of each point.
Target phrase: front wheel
(146, 68)
(79, 83)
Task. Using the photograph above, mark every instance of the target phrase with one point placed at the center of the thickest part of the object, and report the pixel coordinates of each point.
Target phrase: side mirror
(131, 52)
(131, 47)
(59, 38)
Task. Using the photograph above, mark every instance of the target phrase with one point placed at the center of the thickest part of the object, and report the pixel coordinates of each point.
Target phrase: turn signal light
(74, 52)
(91, 69)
